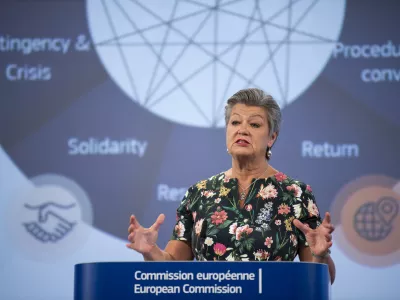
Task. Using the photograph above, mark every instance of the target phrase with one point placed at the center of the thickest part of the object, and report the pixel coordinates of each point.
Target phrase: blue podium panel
(196, 280)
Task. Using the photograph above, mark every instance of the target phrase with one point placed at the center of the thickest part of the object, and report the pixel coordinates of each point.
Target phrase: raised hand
(143, 240)
(319, 239)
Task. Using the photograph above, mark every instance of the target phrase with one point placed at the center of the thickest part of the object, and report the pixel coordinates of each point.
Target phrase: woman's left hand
(319, 239)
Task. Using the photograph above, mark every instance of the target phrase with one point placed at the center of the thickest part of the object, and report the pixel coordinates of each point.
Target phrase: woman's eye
(255, 125)
(235, 122)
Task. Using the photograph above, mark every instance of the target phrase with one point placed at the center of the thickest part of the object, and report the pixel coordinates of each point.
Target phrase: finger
(130, 246)
(130, 228)
(327, 219)
(328, 237)
(131, 237)
(158, 222)
(329, 227)
(134, 221)
(303, 227)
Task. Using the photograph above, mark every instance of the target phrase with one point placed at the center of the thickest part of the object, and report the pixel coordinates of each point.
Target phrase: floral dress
(211, 221)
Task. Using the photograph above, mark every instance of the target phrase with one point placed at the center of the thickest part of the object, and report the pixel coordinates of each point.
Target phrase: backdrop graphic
(110, 108)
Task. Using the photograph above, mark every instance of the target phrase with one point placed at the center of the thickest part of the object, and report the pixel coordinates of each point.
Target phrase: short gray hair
(257, 97)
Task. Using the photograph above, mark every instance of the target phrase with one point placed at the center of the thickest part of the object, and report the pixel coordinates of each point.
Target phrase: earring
(269, 153)
(227, 150)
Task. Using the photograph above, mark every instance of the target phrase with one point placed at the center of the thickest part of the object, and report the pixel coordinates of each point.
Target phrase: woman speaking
(251, 211)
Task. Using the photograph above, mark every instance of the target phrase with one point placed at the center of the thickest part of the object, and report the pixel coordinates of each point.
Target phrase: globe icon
(372, 220)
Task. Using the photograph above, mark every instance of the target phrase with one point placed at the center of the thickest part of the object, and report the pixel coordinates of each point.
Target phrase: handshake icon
(50, 225)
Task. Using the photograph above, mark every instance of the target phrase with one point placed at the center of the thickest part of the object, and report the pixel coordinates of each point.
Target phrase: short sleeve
(184, 219)
(309, 213)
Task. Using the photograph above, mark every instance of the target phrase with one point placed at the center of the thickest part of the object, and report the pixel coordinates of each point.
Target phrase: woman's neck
(245, 171)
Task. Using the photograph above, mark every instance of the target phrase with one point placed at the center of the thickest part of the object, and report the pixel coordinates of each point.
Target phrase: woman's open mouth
(242, 142)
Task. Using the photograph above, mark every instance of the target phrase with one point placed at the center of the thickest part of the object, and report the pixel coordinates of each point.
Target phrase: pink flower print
(243, 230)
(198, 226)
(261, 255)
(267, 192)
(278, 222)
(208, 194)
(283, 209)
(219, 249)
(312, 208)
(295, 189)
(268, 242)
(218, 200)
(280, 176)
(219, 217)
(248, 207)
(180, 229)
(293, 239)
(308, 188)
(232, 228)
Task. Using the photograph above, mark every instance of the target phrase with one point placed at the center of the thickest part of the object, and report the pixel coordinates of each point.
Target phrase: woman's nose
(243, 130)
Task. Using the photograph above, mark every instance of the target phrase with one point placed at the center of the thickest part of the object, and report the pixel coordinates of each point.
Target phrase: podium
(201, 280)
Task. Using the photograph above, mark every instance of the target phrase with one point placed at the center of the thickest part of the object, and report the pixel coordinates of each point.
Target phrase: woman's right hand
(143, 240)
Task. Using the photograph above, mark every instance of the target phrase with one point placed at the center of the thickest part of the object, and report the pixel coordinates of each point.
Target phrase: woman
(247, 212)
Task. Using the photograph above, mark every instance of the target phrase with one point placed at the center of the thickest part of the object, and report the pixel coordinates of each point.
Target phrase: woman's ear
(272, 140)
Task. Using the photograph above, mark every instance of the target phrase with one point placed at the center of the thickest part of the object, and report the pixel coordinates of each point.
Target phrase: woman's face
(247, 132)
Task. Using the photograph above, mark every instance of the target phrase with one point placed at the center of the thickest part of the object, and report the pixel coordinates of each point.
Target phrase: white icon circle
(50, 220)
(183, 59)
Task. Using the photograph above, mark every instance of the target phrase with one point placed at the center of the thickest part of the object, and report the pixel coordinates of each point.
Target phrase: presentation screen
(111, 108)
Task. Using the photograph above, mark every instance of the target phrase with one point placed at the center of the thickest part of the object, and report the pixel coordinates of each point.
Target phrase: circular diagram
(181, 60)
